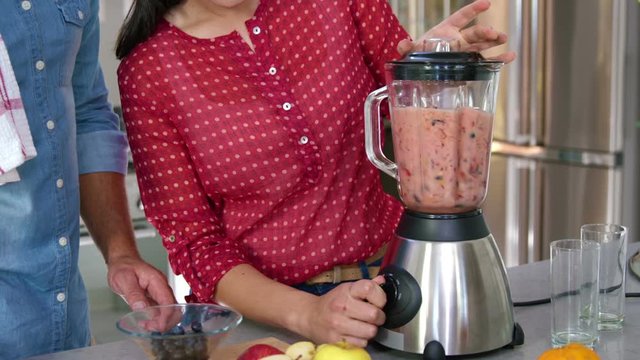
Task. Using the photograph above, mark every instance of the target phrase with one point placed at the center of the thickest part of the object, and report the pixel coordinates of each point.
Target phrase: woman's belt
(351, 272)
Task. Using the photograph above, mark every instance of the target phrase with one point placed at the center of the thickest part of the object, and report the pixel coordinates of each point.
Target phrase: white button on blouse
(304, 140)
(59, 183)
(26, 5)
(272, 70)
(60, 297)
(63, 241)
(256, 30)
(286, 106)
(51, 125)
(39, 64)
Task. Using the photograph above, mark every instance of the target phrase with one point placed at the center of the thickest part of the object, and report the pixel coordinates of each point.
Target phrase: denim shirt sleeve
(100, 143)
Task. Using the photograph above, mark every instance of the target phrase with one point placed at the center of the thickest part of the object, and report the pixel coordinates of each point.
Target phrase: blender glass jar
(441, 107)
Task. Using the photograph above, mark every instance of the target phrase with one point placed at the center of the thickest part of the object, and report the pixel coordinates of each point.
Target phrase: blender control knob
(404, 296)
(390, 288)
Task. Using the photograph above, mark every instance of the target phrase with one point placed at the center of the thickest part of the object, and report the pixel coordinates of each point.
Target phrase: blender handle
(372, 131)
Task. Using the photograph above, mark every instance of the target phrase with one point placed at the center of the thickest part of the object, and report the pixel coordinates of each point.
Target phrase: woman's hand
(474, 38)
(351, 312)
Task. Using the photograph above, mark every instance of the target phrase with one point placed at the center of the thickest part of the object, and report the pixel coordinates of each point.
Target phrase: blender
(445, 281)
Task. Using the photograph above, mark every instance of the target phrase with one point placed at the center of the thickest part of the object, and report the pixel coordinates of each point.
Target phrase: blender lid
(444, 65)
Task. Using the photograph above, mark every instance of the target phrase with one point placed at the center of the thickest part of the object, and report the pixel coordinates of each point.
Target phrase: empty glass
(613, 254)
(574, 291)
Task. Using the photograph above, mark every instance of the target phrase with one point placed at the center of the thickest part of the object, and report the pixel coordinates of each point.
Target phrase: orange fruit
(570, 352)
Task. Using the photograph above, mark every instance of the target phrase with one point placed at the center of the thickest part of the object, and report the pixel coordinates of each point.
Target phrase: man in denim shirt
(81, 159)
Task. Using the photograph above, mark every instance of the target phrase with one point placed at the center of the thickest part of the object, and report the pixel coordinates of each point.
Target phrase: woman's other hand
(351, 312)
(473, 38)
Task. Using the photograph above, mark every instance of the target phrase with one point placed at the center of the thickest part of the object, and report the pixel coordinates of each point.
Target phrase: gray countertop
(527, 282)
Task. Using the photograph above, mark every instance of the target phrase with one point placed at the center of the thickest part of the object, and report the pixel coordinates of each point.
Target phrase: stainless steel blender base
(465, 302)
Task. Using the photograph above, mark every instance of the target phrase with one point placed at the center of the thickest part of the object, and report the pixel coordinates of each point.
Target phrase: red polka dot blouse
(258, 156)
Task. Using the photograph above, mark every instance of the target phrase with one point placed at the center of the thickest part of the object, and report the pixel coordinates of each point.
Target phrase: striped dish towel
(16, 144)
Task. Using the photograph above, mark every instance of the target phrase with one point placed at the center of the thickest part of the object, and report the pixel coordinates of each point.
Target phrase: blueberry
(196, 326)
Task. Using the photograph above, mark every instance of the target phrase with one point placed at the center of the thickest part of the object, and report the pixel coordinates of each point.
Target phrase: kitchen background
(566, 131)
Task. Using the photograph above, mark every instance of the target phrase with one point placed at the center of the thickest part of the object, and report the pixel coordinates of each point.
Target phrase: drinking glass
(613, 254)
(574, 291)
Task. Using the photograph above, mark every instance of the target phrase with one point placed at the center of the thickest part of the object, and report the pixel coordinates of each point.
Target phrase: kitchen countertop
(527, 282)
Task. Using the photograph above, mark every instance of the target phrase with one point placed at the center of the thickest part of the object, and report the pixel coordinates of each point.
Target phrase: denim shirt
(53, 46)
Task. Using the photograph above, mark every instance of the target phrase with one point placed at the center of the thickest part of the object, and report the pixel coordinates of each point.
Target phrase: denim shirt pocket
(74, 14)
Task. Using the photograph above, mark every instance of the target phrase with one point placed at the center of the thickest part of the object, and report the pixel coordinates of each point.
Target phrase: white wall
(112, 14)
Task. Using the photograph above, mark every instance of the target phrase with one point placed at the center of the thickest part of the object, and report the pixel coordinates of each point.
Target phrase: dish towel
(16, 144)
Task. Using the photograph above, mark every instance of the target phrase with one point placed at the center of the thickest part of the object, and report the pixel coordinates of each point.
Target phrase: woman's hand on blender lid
(474, 38)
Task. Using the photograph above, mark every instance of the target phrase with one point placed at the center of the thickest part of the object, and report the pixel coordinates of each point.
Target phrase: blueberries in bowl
(188, 331)
(191, 348)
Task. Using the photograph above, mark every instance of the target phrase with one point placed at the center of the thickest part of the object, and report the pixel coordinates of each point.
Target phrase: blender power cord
(602, 291)
(532, 302)
(548, 300)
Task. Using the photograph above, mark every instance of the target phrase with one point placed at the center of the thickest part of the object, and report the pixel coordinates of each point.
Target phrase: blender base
(447, 289)
(435, 351)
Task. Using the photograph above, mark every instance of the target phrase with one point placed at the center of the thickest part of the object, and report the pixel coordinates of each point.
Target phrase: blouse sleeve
(379, 32)
(189, 222)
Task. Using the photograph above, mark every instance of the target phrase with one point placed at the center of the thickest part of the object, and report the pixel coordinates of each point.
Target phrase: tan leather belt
(351, 272)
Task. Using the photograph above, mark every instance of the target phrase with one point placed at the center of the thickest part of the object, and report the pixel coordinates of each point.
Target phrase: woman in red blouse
(245, 121)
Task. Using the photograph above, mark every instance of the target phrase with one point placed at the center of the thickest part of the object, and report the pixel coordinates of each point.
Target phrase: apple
(341, 351)
(302, 350)
(259, 351)
(276, 357)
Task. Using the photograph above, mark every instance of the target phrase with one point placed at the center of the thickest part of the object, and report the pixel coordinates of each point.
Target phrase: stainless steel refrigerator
(565, 149)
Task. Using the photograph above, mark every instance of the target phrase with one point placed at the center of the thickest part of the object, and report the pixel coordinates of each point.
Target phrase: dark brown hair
(140, 23)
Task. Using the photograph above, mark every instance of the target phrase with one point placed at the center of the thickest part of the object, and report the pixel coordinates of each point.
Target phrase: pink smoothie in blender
(445, 283)
(442, 157)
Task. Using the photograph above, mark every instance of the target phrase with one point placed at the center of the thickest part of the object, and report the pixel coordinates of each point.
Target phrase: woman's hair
(140, 23)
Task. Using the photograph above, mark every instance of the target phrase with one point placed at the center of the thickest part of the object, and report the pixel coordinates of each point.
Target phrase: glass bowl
(179, 331)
